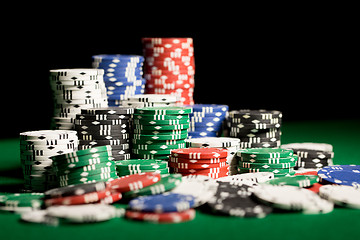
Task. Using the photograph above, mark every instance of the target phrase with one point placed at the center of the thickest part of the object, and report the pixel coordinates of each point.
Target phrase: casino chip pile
(256, 128)
(232, 145)
(73, 90)
(170, 67)
(85, 166)
(311, 155)
(105, 126)
(159, 130)
(36, 150)
(149, 100)
(209, 162)
(20, 202)
(207, 120)
(134, 166)
(279, 161)
(123, 75)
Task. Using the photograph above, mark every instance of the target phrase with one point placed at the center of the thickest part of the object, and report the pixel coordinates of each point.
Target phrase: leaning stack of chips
(123, 75)
(158, 130)
(170, 67)
(279, 161)
(149, 100)
(311, 155)
(73, 90)
(36, 150)
(85, 166)
(105, 126)
(256, 128)
(232, 145)
(134, 166)
(207, 120)
(210, 162)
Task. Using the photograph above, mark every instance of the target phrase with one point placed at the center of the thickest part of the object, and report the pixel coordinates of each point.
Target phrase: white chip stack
(36, 148)
(73, 90)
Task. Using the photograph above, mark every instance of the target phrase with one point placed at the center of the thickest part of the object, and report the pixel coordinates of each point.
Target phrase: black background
(305, 67)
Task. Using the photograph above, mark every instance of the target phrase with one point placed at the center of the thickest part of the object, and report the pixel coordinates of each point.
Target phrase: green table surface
(340, 224)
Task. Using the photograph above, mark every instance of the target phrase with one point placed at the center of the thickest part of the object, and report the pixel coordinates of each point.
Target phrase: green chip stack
(281, 162)
(134, 166)
(85, 166)
(158, 130)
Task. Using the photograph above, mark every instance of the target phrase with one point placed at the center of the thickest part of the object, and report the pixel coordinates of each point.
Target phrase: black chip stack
(256, 128)
(311, 155)
(105, 126)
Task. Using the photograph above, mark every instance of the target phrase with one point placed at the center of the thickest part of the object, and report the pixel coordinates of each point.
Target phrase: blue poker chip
(109, 80)
(124, 84)
(206, 119)
(341, 174)
(124, 64)
(205, 124)
(210, 108)
(204, 114)
(123, 75)
(202, 134)
(165, 202)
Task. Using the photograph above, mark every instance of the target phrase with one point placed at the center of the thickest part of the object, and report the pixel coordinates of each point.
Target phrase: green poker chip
(161, 127)
(153, 156)
(16, 200)
(87, 174)
(273, 170)
(264, 153)
(298, 180)
(60, 161)
(160, 122)
(161, 117)
(90, 151)
(160, 132)
(247, 158)
(86, 168)
(266, 165)
(92, 178)
(153, 151)
(163, 110)
(141, 164)
(130, 172)
(159, 146)
(81, 163)
(144, 137)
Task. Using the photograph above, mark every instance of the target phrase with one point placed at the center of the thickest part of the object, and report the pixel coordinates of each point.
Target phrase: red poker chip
(170, 79)
(114, 197)
(164, 50)
(159, 72)
(134, 181)
(174, 57)
(169, 67)
(169, 217)
(160, 41)
(78, 199)
(198, 171)
(177, 92)
(307, 173)
(198, 161)
(182, 76)
(169, 86)
(315, 187)
(158, 61)
(197, 165)
(173, 54)
(199, 153)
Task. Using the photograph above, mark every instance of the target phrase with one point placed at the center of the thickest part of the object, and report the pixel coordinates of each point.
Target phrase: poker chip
(341, 195)
(199, 153)
(340, 174)
(292, 198)
(258, 177)
(74, 190)
(21, 202)
(134, 182)
(299, 180)
(86, 198)
(169, 217)
(134, 166)
(73, 90)
(170, 67)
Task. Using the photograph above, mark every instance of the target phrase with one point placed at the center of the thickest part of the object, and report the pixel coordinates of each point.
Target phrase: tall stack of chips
(207, 120)
(149, 100)
(311, 155)
(158, 130)
(256, 128)
(36, 150)
(170, 67)
(210, 162)
(74, 89)
(85, 166)
(123, 75)
(105, 126)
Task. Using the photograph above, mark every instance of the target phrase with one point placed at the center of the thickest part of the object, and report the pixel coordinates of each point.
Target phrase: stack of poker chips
(36, 150)
(105, 126)
(311, 155)
(123, 75)
(232, 145)
(210, 162)
(149, 100)
(166, 208)
(207, 120)
(135, 166)
(256, 128)
(158, 130)
(170, 67)
(85, 166)
(75, 89)
(279, 161)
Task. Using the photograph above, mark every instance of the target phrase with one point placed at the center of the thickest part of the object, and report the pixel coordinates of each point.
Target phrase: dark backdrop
(308, 70)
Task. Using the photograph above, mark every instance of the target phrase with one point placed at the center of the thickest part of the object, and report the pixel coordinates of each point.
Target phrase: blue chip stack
(207, 120)
(123, 75)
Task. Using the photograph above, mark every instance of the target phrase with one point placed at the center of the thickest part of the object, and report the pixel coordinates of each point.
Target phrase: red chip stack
(209, 162)
(170, 67)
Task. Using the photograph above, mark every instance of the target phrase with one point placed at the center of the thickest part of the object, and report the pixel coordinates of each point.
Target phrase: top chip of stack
(123, 75)
(256, 128)
(311, 155)
(75, 89)
(149, 100)
(170, 67)
(207, 120)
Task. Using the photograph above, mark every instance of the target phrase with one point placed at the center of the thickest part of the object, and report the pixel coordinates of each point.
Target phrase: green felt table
(339, 224)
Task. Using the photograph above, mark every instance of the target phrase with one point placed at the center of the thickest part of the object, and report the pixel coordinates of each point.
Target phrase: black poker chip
(108, 110)
(74, 190)
(102, 116)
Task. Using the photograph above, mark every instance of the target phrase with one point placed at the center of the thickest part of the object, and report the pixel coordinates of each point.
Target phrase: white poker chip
(341, 195)
(218, 142)
(310, 146)
(258, 177)
(39, 216)
(292, 198)
(152, 98)
(202, 188)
